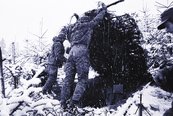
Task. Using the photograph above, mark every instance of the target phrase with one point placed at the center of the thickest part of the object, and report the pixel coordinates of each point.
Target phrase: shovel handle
(114, 3)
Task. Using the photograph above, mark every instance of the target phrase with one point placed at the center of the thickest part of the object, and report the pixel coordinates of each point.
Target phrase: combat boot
(72, 107)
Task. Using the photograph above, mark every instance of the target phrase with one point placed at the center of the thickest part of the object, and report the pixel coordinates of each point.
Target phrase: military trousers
(77, 63)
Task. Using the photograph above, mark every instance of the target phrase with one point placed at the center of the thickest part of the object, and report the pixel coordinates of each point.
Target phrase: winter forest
(125, 49)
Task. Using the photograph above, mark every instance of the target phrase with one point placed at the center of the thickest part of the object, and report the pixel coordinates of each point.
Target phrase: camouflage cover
(116, 54)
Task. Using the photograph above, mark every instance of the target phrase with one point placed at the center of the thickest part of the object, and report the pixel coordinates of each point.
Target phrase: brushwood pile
(116, 55)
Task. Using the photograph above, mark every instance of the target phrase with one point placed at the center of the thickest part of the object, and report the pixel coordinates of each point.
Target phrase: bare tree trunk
(13, 52)
(1, 75)
(13, 60)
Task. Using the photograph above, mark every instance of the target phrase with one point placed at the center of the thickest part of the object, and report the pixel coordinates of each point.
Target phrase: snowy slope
(29, 100)
(155, 100)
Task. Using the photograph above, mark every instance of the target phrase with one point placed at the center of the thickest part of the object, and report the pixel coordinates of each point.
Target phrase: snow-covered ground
(28, 100)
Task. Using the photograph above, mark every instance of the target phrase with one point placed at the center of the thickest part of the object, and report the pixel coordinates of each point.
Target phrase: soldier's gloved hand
(101, 6)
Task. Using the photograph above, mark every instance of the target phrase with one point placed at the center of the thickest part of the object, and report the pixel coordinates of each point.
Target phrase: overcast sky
(20, 18)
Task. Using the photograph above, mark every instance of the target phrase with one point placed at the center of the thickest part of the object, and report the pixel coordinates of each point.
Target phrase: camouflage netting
(115, 52)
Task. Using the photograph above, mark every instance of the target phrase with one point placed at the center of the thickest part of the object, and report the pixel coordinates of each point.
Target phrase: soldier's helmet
(167, 15)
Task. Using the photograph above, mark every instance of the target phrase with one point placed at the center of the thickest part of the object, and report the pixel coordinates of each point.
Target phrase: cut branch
(115, 3)
(16, 108)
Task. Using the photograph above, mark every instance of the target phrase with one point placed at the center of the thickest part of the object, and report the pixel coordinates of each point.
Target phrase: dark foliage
(116, 55)
(95, 95)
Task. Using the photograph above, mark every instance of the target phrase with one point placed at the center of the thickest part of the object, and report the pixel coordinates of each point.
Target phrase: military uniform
(78, 62)
(79, 35)
(163, 76)
(55, 60)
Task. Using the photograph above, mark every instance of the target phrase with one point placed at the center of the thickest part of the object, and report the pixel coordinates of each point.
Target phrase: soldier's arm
(62, 35)
(58, 48)
(96, 19)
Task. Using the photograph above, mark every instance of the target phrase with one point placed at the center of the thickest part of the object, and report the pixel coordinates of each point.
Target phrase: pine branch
(39, 105)
(161, 5)
(170, 4)
(15, 109)
(43, 34)
(10, 71)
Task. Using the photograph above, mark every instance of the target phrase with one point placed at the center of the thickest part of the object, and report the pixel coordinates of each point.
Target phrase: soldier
(55, 60)
(167, 20)
(164, 76)
(79, 35)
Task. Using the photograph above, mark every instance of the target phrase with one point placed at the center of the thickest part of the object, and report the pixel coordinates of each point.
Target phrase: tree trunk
(1, 75)
(13, 53)
(13, 60)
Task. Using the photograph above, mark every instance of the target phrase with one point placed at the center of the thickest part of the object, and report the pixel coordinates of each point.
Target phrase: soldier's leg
(52, 71)
(68, 83)
(82, 67)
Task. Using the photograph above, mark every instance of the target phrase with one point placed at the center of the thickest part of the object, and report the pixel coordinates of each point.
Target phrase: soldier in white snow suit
(79, 35)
